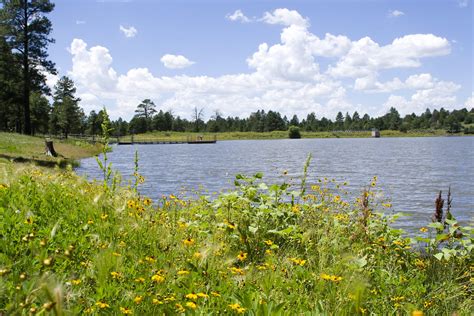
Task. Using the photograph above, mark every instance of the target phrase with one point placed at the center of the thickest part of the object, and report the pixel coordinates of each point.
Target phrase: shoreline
(170, 136)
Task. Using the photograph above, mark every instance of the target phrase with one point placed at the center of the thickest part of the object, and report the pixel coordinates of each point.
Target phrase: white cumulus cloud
(176, 61)
(366, 57)
(128, 31)
(395, 13)
(285, 17)
(238, 15)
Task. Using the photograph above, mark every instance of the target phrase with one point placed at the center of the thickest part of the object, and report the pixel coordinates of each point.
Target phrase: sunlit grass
(27, 148)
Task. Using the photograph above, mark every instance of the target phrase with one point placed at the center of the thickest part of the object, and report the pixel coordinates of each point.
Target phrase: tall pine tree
(27, 32)
(66, 116)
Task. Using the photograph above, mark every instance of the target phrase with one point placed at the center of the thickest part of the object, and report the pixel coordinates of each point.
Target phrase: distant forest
(25, 105)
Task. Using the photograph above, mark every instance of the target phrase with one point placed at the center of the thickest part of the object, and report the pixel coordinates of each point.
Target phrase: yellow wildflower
(115, 275)
(126, 311)
(156, 301)
(235, 270)
(242, 256)
(188, 242)
(191, 305)
(215, 294)
(230, 224)
(236, 307)
(139, 280)
(329, 277)
(197, 255)
(138, 299)
(147, 201)
(158, 278)
(183, 272)
(298, 262)
(150, 259)
(104, 216)
(202, 295)
(191, 296)
(102, 305)
(417, 313)
(423, 229)
(116, 254)
(268, 242)
(76, 282)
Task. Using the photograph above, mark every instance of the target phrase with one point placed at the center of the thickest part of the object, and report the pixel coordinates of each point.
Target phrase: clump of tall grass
(73, 246)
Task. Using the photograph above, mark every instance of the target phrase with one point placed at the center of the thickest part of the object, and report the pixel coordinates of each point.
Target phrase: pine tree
(27, 31)
(67, 114)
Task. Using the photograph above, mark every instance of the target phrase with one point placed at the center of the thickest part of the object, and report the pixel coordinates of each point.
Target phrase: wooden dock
(155, 141)
(164, 142)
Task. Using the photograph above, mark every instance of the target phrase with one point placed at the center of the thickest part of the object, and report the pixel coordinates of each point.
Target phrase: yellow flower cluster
(298, 262)
(237, 308)
(329, 277)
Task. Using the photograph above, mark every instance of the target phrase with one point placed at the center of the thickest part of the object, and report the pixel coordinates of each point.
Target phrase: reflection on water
(410, 171)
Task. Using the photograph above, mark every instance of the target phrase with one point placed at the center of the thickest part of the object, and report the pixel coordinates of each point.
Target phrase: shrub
(294, 132)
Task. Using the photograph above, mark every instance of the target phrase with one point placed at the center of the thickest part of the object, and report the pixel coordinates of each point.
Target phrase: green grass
(69, 246)
(22, 148)
(182, 136)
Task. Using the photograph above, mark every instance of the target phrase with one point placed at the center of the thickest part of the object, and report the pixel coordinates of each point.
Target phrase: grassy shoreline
(27, 149)
(181, 136)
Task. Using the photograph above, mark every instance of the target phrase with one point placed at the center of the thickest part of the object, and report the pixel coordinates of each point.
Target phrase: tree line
(27, 104)
(147, 119)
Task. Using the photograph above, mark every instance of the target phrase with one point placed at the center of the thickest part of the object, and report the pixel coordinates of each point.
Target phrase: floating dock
(165, 142)
(156, 141)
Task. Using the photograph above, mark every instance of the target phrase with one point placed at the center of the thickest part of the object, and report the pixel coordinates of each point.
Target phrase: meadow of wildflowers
(71, 246)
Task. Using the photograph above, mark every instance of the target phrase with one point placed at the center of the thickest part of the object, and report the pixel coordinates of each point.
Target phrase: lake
(410, 171)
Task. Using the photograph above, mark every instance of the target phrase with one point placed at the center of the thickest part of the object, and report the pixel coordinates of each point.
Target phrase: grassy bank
(22, 148)
(281, 135)
(74, 247)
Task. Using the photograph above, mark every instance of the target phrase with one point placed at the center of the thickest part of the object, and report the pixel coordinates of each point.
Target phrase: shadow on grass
(60, 162)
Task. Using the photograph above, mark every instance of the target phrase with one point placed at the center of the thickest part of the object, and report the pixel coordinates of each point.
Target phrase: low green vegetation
(182, 136)
(22, 148)
(70, 246)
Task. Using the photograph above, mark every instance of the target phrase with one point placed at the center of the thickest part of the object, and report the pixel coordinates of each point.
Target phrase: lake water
(410, 171)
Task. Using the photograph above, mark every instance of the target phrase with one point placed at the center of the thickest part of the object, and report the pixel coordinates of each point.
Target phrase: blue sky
(209, 54)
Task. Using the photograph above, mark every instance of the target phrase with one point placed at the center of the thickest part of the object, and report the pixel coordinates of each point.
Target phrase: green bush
(294, 132)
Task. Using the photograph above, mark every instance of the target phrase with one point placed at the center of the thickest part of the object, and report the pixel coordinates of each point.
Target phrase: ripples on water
(410, 171)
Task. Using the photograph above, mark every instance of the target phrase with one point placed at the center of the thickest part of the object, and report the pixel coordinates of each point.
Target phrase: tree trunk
(49, 148)
(26, 74)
